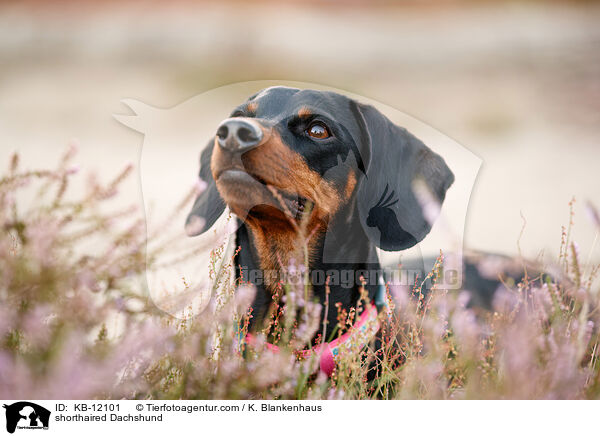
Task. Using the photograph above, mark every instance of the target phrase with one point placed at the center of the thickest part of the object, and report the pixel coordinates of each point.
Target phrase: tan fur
(279, 239)
(304, 112)
(252, 107)
(350, 185)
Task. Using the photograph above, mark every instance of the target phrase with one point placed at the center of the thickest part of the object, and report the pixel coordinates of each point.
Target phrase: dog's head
(286, 155)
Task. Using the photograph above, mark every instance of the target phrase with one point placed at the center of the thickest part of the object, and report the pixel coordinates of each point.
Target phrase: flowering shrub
(76, 321)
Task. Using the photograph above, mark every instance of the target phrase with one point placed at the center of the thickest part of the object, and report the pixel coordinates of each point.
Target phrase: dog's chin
(249, 196)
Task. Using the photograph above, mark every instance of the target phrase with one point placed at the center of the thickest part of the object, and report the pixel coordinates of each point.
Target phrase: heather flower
(76, 321)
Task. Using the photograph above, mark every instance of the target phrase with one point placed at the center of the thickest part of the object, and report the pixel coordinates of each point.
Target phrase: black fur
(382, 211)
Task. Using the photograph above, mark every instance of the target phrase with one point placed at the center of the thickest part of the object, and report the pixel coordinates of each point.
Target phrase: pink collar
(354, 340)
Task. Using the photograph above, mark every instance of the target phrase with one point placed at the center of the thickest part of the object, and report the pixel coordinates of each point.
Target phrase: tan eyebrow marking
(304, 112)
(252, 106)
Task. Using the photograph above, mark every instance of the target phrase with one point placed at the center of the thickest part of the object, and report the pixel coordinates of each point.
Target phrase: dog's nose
(239, 135)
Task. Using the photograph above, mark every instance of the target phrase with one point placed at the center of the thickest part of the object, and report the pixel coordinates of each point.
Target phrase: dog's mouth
(296, 204)
(246, 187)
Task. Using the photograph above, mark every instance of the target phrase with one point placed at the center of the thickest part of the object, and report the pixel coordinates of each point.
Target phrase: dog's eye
(318, 130)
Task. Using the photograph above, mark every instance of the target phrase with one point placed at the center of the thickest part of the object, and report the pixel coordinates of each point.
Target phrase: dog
(317, 178)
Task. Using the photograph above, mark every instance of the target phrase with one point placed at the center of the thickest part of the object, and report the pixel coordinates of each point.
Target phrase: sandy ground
(517, 85)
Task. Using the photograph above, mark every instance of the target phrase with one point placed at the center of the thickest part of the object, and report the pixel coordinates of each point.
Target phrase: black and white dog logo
(26, 415)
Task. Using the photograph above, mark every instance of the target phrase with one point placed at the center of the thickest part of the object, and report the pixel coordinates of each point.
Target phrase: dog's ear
(209, 205)
(390, 212)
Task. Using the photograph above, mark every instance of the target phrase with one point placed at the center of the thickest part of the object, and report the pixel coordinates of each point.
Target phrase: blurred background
(516, 83)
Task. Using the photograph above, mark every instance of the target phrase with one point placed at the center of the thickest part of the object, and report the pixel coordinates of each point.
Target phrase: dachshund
(316, 178)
